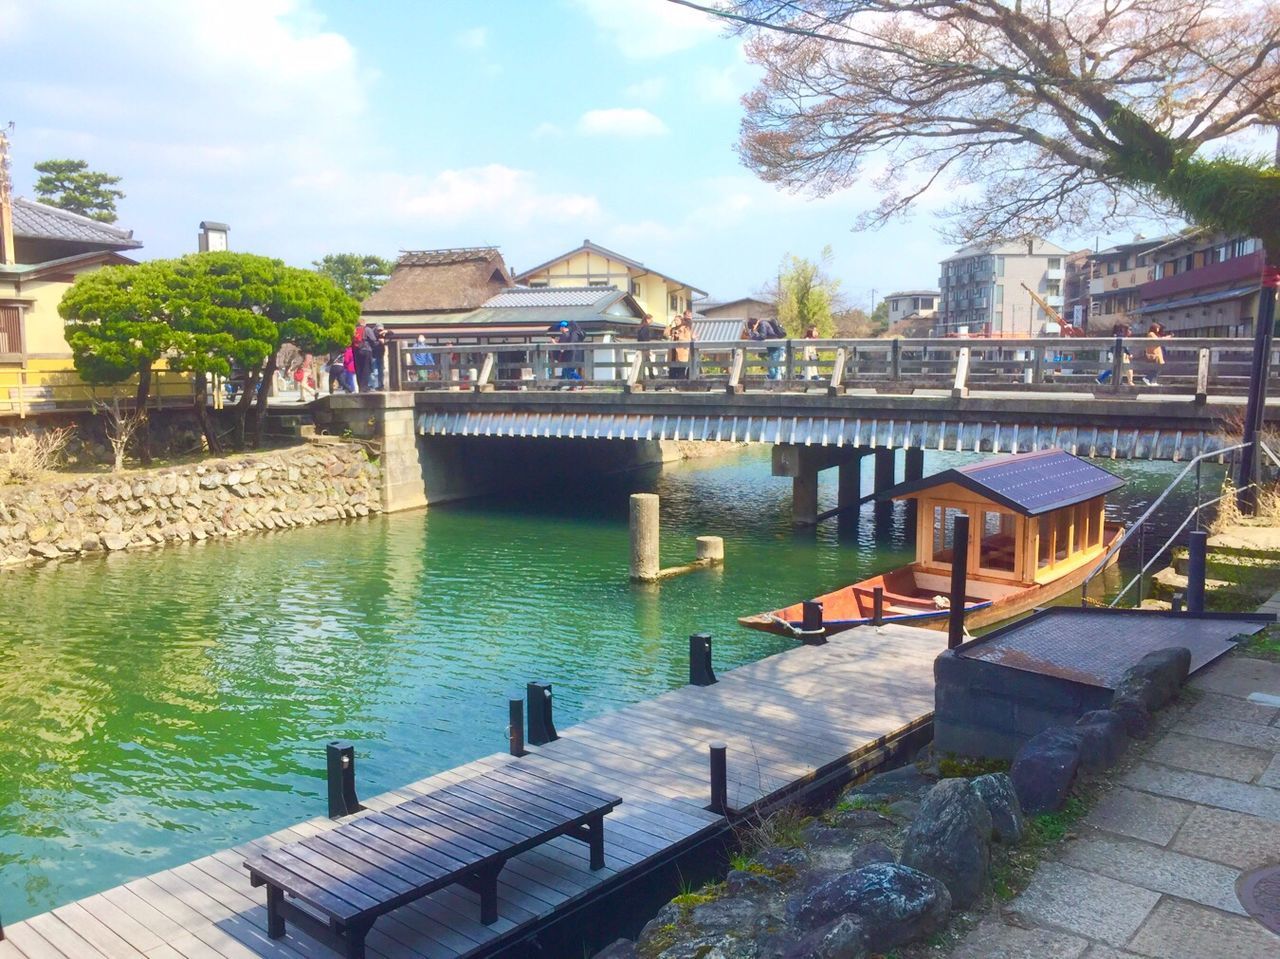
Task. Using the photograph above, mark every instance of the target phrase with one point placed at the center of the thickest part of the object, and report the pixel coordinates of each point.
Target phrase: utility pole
(7, 255)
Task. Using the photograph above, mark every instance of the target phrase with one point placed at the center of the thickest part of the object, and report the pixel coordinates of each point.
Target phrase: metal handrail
(1135, 527)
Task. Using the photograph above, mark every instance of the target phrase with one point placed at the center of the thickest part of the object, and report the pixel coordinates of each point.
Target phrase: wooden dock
(784, 719)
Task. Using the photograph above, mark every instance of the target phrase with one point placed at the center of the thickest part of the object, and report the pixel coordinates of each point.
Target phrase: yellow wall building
(592, 265)
(47, 249)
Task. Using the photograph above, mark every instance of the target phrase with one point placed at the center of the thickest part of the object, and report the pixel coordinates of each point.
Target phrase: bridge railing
(1106, 365)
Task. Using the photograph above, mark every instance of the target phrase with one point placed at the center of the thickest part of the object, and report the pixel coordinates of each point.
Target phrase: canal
(157, 706)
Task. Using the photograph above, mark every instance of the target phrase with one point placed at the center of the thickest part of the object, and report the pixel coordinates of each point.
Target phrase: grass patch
(780, 828)
(1264, 644)
(852, 803)
(1012, 866)
(967, 767)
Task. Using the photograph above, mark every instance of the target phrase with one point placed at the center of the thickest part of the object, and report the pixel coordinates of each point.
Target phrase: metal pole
(542, 728)
(515, 727)
(959, 578)
(1142, 558)
(341, 774)
(811, 622)
(1263, 333)
(877, 605)
(1197, 549)
(700, 670)
(719, 779)
(1198, 494)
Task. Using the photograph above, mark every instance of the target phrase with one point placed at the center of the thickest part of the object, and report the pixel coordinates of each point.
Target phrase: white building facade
(983, 294)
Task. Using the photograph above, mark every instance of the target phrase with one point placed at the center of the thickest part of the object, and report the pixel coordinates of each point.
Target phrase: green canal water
(155, 707)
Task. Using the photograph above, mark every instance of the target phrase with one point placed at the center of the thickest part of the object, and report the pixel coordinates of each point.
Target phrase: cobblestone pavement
(1153, 870)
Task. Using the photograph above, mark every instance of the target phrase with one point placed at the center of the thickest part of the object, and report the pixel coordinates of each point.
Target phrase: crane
(1065, 328)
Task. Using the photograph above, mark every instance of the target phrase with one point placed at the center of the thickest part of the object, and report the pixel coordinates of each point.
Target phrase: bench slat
(534, 810)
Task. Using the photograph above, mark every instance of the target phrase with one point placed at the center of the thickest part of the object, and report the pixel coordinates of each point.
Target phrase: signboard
(1077, 315)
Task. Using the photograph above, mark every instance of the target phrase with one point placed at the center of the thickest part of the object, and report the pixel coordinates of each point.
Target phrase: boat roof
(1028, 483)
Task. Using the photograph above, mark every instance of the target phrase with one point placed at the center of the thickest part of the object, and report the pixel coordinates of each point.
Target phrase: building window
(635, 288)
(10, 329)
(1055, 263)
(944, 529)
(539, 284)
(1053, 287)
(996, 548)
(598, 283)
(674, 300)
(999, 266)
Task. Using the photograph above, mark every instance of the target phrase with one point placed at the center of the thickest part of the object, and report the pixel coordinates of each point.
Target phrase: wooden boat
(1037, 528)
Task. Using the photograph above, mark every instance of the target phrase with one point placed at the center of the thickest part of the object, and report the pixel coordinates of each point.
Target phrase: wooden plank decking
(783, 718)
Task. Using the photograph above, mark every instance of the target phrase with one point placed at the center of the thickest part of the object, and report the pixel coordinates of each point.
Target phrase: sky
(325, 126)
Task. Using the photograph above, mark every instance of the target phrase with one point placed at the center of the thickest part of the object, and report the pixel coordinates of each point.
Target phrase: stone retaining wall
(280, 489)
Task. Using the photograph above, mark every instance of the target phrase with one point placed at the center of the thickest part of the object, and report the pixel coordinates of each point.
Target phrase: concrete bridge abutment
(386, 419)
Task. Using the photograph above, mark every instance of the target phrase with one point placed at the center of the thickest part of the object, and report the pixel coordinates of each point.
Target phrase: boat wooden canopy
(1033, 517)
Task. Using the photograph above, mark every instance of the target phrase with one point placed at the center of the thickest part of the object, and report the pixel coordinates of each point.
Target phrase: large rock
(724, 915)
(618, 949)
(1156, 678)
(1135, 716)
(1001, 799)
(894, 904)
(1103, 739)
(908, 782)
(1044, 770)
(842, 938)
(950, 839)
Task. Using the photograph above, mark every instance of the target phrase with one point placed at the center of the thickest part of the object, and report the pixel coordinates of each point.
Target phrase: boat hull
(906, 602)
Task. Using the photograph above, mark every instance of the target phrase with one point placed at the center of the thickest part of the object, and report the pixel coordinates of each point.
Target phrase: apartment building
(1117, 275)
(982, 288)
(1204, 284)
(1075, 287)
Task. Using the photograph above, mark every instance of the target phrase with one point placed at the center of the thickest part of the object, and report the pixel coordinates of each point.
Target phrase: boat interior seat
(897, 599)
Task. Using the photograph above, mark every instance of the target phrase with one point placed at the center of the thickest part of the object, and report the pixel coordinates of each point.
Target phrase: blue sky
(316, 126)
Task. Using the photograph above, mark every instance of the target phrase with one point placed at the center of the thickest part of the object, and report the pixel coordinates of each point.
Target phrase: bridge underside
(976, 435)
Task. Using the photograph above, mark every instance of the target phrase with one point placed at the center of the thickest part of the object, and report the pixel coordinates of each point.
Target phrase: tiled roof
(40, 222)
(1029, 483)
(529, 296)
(465, 254)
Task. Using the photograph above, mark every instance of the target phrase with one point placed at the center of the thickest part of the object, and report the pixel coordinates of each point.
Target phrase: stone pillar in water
(644, 537)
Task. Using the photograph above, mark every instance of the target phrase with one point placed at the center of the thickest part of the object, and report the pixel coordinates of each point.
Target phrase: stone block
(1153, 819)
(1218, 706)
(1160, 870)
(1234, 732)
(993, 939)
(1235, 839)
(1085, 904)
(1156, 678)
(1223, 759)
(1044, 770)
(1246, 798)
(1238, 676)
(950, 838)
(1179, 930)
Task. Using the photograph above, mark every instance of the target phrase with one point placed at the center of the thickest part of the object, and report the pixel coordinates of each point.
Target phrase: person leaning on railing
(681, 331)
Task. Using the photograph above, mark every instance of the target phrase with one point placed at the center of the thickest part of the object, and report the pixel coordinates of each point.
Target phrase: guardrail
(1103, 365)
(25, 393)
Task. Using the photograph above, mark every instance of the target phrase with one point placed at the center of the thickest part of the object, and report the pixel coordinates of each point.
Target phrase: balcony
(1240, 268)
(1054, 300)
(1054, 273)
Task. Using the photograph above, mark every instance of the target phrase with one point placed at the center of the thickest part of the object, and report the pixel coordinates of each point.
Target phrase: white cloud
(650, 89)
(475, 38)
(546, 130)
(646, 29)
(621, 121)
(494, 192)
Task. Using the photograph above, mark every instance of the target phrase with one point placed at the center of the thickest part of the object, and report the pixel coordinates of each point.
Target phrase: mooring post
(1197, 549)
(341, 762)
(1176, 602)
(959, 577)
(515, 727)
(877, 606)
(710, 550)
(542, 728)
(719, 779)
(644, 538)
(701, 672)
(811, 627)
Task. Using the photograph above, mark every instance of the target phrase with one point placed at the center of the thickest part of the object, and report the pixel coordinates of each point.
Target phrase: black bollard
(959, 579)
(877, 605)
(542, 729)
(1176, 603)
(812, 629)
(719, 779)
(1197, 547)
(700, 671)
(515, 727)
(341, 761)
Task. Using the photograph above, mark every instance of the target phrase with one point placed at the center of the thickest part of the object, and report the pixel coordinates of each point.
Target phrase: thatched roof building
(426, 282)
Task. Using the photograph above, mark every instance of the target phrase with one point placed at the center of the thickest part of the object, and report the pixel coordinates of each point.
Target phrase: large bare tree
(1035, 115)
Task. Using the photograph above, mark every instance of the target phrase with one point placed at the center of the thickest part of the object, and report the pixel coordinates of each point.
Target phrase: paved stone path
(1153, 871)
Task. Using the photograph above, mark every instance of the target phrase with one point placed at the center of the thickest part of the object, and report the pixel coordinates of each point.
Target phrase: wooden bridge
(993, 395)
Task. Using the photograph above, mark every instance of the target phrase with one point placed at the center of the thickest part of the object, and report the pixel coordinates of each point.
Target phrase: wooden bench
(336, 884)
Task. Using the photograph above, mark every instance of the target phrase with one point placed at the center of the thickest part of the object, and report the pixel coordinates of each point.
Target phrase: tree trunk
(1255, 410)
(268, 381)
(202, 414)
(142, 441)
(242, 407)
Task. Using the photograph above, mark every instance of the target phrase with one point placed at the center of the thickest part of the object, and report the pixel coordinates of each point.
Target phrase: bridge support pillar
(914, 466)
(886, 462)
(803, 464)
(804, 499)
(388, 420)
(850, 484)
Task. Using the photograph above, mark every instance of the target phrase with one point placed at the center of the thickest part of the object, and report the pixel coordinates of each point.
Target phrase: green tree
(807, 296)
(117, 327)
(236, 309)
(71, 185)
(358, 274)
